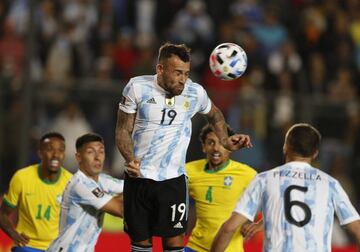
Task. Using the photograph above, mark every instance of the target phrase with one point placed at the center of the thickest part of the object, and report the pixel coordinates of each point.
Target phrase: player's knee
(141, 248)
(174, 249)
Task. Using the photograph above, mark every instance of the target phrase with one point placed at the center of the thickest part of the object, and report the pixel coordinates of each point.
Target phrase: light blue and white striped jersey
(298, 203)
(80, 218)
(162, 127)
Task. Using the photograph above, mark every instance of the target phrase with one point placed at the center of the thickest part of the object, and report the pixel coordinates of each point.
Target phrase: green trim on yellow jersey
(48, 181)
(38, 204)
(222, 167)
(215, 194)
(6, 202)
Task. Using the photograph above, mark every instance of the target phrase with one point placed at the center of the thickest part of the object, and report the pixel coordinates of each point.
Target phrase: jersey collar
(299, 163)
(48, 181)
(207, 170)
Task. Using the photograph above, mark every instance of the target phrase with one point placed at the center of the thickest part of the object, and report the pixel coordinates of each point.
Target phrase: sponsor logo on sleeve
(98, 192)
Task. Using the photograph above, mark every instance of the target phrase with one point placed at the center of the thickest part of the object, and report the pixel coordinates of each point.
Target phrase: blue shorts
(26, 249)
(187, 249)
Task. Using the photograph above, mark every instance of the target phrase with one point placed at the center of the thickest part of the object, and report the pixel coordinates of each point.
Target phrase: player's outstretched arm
(354, 229)
(124, 142)
(232, 143)
(8, 227)
(226, 232)
(115, 206)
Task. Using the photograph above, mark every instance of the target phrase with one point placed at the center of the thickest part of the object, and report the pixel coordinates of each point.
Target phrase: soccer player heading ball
(153, 133)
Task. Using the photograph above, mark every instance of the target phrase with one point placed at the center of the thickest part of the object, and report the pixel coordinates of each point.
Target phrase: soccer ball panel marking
(228, 61)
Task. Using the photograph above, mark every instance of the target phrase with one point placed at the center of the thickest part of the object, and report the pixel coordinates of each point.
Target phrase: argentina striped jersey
(80, 218)
(298, 203)
(162, 127)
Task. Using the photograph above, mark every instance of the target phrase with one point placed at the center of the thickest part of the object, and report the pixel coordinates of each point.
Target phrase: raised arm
(124, 142)
(226, 232)
(234, 142)
(8, 227)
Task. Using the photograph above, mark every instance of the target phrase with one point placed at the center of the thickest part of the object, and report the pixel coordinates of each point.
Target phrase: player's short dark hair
(167, 50)
(208, 128)
(52, 134)
(303, 139)
(87, 138)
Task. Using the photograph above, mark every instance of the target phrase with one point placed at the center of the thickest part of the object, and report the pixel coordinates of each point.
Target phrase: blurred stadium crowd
(76, 55)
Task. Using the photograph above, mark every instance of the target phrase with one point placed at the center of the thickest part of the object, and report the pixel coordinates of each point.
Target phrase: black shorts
(155, 208)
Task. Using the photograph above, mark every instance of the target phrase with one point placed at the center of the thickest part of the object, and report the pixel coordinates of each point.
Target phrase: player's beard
(172, 88)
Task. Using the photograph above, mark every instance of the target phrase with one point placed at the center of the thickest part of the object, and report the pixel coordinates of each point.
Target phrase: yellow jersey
(215, 194)
(38, 201)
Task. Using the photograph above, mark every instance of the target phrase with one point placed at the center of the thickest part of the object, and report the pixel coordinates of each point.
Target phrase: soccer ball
(228, 61)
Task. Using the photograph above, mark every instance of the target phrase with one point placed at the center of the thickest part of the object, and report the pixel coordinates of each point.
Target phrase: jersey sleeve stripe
(6, 202)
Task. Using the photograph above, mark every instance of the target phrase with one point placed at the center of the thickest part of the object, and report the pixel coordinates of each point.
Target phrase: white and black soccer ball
(228, 61)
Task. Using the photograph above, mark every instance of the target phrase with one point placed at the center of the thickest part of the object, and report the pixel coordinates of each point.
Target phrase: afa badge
(170, 102)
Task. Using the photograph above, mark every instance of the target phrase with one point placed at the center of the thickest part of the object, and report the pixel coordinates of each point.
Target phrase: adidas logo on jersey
(178, 225)
(152, 100)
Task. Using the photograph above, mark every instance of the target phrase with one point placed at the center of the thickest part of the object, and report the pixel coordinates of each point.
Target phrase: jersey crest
(170, 102)
(228, 180)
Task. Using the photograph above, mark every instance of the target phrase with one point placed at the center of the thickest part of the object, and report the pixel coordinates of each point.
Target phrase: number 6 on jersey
(288, 203)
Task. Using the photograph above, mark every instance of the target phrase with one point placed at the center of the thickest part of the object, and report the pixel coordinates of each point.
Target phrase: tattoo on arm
(216, 118)
(124, 128)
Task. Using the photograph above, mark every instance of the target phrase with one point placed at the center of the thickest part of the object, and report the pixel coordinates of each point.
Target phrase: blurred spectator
(337, 41)
(287, 59)
(145, 17)
(222, 93)
(165, 13)
(355, 35)
(83, 15)
(124, 54)
(11, 142)
(281, 117)
(334, 118)
(249, 9)
(12, 55)
(71, 123)
(312, 28)
(316, 75)
(60, 51)
(248, 116)
(284, 104)
(4, 6)
(106, 28)
(19, 15)
(193, 26)
(342, 88)
(270, 34)
(146, 60)
(48, 26)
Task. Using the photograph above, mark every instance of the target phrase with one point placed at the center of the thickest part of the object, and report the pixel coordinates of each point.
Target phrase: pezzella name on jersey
(297, 175)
